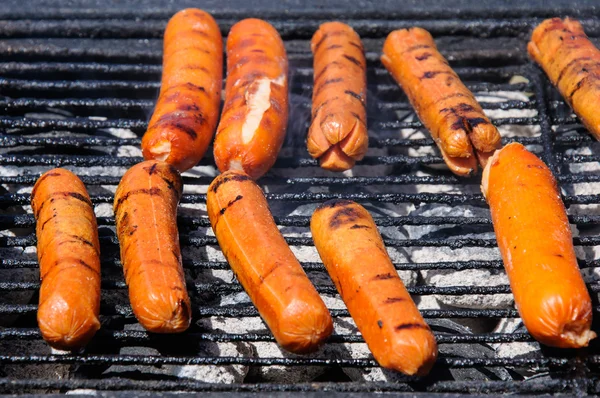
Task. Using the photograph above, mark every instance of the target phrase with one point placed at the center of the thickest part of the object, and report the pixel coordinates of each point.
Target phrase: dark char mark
(226, 179)
(328, 82)
(326, 35)
(353, 60)
(423, 56)
(46, 222)
(411, 326)
(269, 272)
(413, 48)
(356, 45)
(392, 300)
(257, 50)
(79, 261)
(432, 74)
(567, 66)
(42, 178)
(577, 87)
(382, 277)
(231, 202)
(355, 95)
(380, 323)
(468, 124)
(356, 226)
(152, 169)
(141, 191)
(344, 216)
(320, 74)
(333, 47)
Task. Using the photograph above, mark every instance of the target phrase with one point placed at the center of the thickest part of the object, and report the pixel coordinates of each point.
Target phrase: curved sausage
(69, 255)
(346, 236)
(186, 112)
(535, 241)
(338, 132)
(254, 118)
(264, 264)
(146, 216)
(445, 106)
(572, 63)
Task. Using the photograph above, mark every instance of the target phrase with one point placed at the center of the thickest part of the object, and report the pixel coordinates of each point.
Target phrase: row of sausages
(523, 196)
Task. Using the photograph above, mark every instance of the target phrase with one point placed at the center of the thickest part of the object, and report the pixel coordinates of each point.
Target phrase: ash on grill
(85, 107)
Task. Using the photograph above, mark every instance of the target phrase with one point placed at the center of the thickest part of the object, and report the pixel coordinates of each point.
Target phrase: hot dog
(254, 118)
(338, 132)
(535, 241)
(186, 112)
(69, 255)
(146, 216)
(346, 236)
(264, 264)
(445, 106)
(572, 63)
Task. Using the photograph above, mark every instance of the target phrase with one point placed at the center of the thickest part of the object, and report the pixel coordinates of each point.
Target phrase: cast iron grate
(76, 91)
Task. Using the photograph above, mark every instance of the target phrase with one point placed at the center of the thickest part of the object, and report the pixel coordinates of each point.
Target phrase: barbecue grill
(77, 86)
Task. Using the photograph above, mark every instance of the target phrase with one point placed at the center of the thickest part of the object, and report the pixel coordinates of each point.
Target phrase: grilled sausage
(535, 241)
(185, 117)
(69, 256)
(338, 132)
(264, 264)
(146, 216)
(445, 106)
(345, 235)
(254, 119)
(572, 63)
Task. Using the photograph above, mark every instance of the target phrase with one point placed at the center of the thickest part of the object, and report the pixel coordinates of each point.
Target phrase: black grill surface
(78, 82)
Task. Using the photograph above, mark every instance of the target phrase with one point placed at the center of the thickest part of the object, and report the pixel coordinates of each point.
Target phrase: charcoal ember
(469, 277)
(517, 350)
(205, 373)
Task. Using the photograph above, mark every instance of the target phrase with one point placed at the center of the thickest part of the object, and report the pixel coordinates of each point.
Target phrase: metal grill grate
(76, 90)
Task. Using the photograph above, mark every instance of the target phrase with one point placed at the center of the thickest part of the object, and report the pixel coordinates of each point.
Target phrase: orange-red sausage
(338, 132)
(254, 119)
(69, 256)
(146, 215)
(572, 63)
(264, 264)
(445, 106)
(535, 241)
(186, 113)
(353, 252)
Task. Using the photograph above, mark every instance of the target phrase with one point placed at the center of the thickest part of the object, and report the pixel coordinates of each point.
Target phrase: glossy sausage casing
(535, 241)
(353, 252)
(445, 106)
(338, 132)
(69, 256)
(255, 113)
(146, 216)
(572, 63)
(186, 113)
(264, 264)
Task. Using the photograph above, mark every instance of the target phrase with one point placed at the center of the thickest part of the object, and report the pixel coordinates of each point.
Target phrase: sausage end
(303, 327)
(66, 326)
(414, 354)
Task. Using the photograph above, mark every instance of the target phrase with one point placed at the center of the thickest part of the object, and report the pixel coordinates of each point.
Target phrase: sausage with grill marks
(69, 257)
(255, 112)
(445, 106)
(264, 264)
(572, 63)
(535, 241)
(338, 132)
(186, 113)
(146, 216)
(353, 252)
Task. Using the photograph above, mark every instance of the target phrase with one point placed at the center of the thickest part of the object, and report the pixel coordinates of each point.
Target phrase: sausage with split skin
(255, 112)
(264, 264)
(146, 216)
(445, 106)
(69, 256)
(184, 120)
(535, 241)
(572, 63)
(338, 134)
(353, 252)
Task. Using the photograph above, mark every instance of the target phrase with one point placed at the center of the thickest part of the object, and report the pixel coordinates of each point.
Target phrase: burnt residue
(380, 323)
(231, 202)
(225, 179)
(344, 215)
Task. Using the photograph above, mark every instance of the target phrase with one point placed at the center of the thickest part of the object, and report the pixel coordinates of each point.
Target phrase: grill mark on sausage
(48, 220)
(333, 47)
(320, 74)
(392, 300)
(326, 83)
(423, 56)
(334, 203)
(356, 226)
(355, 95)
(235, 177)
(357, 45)
(231, 202)
(42, 178)
(269, 272)
(416, 47)
(326, 35)
(382, 277)
(152, 169)
(353, 60)
(141, 191)
(411, 326)
(468, 124)
(258, 50)
(433, 73)
(567, 66)
(344, 216)
(578, 86)
(78, 261)
(380, 323)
